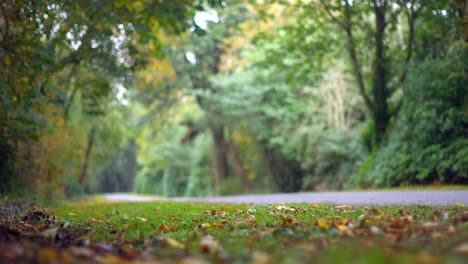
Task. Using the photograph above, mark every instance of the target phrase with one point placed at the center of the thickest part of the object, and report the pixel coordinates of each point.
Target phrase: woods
(203, 98)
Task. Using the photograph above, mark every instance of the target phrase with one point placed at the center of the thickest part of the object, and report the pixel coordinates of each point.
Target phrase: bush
(427, 142)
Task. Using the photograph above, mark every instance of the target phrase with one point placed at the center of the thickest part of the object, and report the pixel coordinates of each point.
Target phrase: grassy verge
(433, 187)
(295, 233)
(219, 233)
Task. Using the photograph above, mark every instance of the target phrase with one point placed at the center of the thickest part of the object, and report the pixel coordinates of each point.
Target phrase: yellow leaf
(111, 259)
(342, 228)
(460, 205)
(314, 205)
(173, 243)
(225, 207)
(322, 223)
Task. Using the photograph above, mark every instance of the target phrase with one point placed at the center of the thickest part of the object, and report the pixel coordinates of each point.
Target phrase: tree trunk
(382, 117)
(87, 155)
(462, 8)
(286, 174)
(219, 154)
(237, 166)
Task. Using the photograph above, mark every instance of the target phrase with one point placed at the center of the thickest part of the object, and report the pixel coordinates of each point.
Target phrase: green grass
(294, 233)
(433, 187)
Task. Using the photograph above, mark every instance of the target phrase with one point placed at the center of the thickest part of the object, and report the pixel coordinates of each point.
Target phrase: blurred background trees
(182, 98)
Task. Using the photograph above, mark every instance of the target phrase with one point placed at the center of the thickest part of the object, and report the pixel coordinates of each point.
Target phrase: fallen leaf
(206, 225)
(430, 226)
(111, 259)
(173, 243)
(12, 250)
(462, 248)
(208, 244)
(426, 259)
(436, 236)
(375, 230)
(81, 252)
(344, 206)
(173, 218)
(225, 207)
(451, 230)
(260, 258)
(48, 255)
(322, 223)
(50, 233)
(127, 251)
(342, 228)
(167, 228)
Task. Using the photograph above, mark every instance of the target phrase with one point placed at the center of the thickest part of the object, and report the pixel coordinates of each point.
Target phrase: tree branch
(333, 18)
(7, 25)
(412, 15)
(75, 68)
(74, 57)
(356, 66)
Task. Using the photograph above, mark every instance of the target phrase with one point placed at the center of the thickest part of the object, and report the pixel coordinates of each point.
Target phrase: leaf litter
(229, 233)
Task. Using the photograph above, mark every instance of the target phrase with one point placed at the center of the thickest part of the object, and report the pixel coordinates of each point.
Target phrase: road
(351, 198)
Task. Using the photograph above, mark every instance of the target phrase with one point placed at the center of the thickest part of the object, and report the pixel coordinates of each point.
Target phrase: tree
(52, 51)
(199, 60)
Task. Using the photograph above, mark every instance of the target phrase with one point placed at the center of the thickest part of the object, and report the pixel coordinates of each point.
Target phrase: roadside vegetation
(172, 232)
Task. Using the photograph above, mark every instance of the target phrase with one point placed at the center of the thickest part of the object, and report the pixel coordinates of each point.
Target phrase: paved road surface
(351, 198)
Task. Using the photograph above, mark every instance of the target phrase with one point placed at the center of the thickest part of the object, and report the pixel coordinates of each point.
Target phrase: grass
(433, 187)
(292, 233)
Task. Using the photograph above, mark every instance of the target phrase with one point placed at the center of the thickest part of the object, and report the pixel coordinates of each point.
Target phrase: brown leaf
(451, 230)
(48, 255)
(208, 243)
(429, 226)
(127, 251)
(111, 259)
(173, 218)
(11, 250)
(167, 228)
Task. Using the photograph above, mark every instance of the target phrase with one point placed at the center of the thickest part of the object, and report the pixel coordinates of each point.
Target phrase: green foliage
(329, 157)
(175, 168)
(427, 143)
